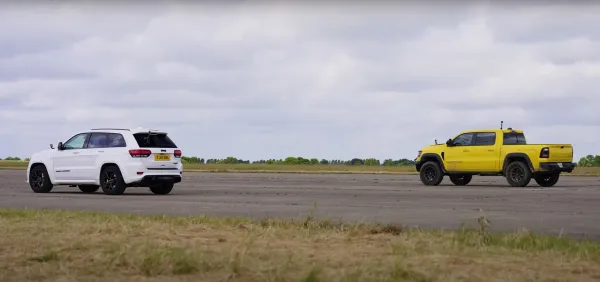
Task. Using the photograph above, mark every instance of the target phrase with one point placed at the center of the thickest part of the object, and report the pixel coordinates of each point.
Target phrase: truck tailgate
(559, 153)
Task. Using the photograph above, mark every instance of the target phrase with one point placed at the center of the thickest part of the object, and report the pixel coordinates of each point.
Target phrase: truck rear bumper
(558, 167)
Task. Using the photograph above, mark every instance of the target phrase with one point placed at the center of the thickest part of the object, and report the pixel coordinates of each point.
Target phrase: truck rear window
(514, 138)
(147, 140)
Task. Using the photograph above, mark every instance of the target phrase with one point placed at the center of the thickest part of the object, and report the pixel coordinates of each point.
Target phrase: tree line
(587, 161)
(301, 161)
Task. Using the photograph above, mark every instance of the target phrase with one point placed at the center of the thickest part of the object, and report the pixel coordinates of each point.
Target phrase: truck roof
(506, 130)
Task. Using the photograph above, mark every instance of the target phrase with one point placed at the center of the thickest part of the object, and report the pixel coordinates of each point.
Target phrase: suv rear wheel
(89, 188)
(518, 174)
(111, 181)
(431, 173)
(162, 188)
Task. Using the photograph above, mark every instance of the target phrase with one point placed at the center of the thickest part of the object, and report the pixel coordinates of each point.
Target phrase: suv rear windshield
(147, 140)
(514, 138)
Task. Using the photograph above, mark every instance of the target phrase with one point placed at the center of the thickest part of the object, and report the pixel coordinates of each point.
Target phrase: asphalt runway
(572, 207)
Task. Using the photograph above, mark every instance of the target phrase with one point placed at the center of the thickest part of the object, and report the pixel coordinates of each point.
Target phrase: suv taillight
(140, 153)
(545, 153)
(177, 153)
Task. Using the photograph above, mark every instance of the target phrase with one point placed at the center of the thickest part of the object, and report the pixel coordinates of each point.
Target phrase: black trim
(427, 157)
(517, 156)
(553, 167)
(162, 168)
(155, 179)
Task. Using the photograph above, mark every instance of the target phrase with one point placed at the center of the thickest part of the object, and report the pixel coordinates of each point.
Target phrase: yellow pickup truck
(502, 152)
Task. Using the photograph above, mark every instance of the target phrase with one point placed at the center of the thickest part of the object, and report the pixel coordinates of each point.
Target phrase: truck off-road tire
(162, 189)
(547, 180)
(39, 180)
(111, 181)
(89, 188)
(518, 174)
(431, 173)
(461, 179)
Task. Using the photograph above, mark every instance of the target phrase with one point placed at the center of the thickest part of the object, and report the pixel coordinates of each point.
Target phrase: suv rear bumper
(558, 167)
(149, 180)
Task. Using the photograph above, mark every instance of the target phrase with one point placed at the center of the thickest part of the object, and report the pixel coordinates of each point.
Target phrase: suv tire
(111, 181)
(162, 188)
(547, 179)
(39, 180)
(89, 188)
(461, 179)
(431, 174)
(518, 174)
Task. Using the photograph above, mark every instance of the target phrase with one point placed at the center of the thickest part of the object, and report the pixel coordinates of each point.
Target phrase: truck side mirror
(449, 143)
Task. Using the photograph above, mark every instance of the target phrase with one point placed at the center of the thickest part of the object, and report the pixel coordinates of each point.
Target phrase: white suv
(110, 158)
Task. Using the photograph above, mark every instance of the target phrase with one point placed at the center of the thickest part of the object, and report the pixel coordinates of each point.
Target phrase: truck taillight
(140, 153)
(177, 153)
(545, 153)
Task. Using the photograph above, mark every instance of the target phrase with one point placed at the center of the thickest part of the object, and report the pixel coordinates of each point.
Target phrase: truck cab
(486, 152)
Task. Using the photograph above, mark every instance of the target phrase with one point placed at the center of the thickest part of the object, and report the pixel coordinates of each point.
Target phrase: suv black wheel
(162, 188)
(89, 188)
(547, 179)
(518, 174)
(431, 173)
(461, 179)
(111, 181)
(39, 181)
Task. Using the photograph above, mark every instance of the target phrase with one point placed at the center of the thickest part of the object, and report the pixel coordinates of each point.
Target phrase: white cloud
(273, 80)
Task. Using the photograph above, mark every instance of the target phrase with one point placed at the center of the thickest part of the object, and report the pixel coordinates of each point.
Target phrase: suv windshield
(147, 140)
(514, 138)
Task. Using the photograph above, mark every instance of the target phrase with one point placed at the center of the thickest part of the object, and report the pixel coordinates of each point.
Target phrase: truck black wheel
(518, 174)
(547, 180)
(39, 180)
(111, 181)
(89, 188)
(162, 189)
(431, 173)
(461, 179)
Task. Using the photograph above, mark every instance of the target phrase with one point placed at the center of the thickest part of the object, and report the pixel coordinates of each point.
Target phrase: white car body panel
(83, 166)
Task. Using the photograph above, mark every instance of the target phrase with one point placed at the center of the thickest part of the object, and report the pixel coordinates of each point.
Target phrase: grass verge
(87, 246)
(580, 171)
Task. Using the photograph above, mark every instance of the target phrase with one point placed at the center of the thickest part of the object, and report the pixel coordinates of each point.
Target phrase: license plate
(560, 165)
(162, 157)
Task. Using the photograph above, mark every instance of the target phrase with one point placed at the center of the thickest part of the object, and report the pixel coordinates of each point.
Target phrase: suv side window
(464, 139)
(106, 140)
(76, 142)
(485, 139)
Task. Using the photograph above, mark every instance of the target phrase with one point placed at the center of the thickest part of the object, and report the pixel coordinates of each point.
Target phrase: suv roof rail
(110, 129)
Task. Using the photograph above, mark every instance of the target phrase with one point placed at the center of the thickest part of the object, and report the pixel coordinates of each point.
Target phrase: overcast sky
(259, 81)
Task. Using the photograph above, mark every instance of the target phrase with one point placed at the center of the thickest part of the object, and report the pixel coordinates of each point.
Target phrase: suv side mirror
(60, 146)
(449, 143)
(51, 146)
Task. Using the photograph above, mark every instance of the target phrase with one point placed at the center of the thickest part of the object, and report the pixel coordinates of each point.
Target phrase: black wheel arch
(430, 157)
(517, 157)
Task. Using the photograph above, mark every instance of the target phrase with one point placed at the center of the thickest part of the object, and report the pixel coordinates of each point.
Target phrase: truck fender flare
(428, 157)
(517, 155)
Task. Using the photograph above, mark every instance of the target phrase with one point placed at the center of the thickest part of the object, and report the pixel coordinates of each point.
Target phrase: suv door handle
(75, 153)
(100, 151)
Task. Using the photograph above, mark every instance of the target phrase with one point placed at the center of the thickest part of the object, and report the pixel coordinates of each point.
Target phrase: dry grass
(590, 171)
(77, 246)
